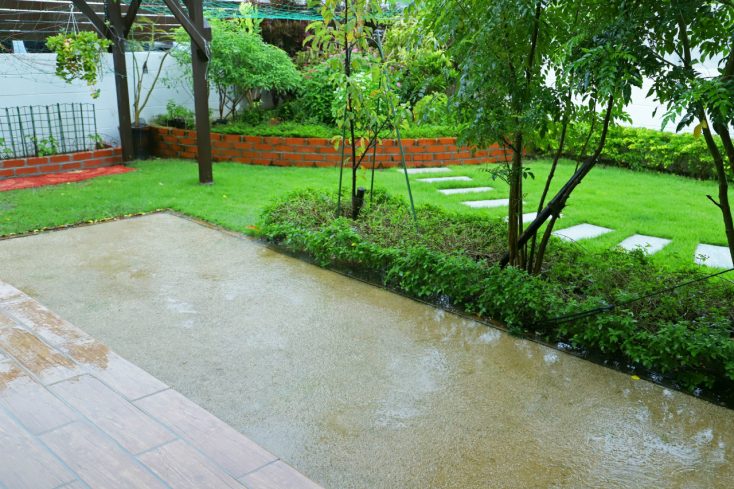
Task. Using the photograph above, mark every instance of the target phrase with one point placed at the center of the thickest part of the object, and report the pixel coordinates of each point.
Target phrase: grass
(628, 202)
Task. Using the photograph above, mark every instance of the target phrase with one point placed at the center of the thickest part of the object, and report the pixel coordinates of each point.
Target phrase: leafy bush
(242, 65)
(684, 334)
(176, 116)
(422, 65)
(433, 109)
(647, 149)
(297, 130)
(313, 104)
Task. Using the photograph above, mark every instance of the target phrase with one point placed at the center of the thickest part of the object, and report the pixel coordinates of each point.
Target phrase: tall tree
(525, 64)
(684, 36)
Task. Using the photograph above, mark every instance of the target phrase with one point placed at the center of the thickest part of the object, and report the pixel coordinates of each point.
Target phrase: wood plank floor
(74, 414)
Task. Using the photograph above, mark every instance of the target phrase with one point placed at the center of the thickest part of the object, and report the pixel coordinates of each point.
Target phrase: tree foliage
(242, 65)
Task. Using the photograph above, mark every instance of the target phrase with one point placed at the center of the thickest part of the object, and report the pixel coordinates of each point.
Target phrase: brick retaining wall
(45, 165)
(282, 151)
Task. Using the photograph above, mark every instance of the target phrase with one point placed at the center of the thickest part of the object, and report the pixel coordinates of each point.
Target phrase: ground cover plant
(452, 260)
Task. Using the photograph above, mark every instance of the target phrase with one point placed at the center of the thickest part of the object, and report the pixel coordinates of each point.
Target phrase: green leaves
(78, 56)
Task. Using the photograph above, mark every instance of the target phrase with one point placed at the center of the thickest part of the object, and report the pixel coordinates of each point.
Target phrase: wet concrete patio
(357, 387)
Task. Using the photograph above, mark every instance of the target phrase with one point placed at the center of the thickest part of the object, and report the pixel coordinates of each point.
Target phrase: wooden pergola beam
(96, 21)
(132, 12)
(116, 27)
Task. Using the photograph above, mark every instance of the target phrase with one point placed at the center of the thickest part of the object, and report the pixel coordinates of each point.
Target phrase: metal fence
(43, 130)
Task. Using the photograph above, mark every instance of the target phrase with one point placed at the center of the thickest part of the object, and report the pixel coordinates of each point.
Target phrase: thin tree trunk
(558, 202)
(723, 204)
(514, 216)
(546, 189)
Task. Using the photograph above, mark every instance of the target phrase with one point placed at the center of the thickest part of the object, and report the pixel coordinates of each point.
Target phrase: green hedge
(646, 149)
(298, 130)
(685, 335)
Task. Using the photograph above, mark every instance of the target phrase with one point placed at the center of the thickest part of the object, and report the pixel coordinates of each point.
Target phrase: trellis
(113, 20)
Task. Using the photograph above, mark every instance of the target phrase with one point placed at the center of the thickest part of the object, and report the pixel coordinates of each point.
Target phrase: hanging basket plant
(78, 56)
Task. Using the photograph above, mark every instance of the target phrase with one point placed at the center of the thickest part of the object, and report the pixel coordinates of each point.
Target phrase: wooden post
(199, 62)
(117, 36)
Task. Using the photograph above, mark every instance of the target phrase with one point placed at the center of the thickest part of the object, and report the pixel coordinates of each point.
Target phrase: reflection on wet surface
(355, 386)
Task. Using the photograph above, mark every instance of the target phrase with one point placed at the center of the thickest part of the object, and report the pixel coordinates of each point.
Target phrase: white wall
(30, 79)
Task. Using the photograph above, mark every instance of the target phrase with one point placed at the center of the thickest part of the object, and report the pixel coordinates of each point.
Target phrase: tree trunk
(514, 217)
(558, 202)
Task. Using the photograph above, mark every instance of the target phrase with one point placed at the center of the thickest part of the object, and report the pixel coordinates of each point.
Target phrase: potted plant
(149, 34)
(78, 56)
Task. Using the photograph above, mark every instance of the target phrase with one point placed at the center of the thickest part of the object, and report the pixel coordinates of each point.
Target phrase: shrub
(647, 149)
(684, 334)
(434, 110)
(176, 116)
(304, 130)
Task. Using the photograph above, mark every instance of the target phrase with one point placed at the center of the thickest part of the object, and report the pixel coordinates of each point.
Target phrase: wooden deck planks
(122, 421)
(74, 414)
(181, 466)
(25, 462)
(213, 437)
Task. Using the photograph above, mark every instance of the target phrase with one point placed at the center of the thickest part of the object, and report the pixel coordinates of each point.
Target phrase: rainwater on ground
(358, 387)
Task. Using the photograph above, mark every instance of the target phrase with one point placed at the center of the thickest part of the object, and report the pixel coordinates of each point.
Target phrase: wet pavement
(74, 414)
(357, 387)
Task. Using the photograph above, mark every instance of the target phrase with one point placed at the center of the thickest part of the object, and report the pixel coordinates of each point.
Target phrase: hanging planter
(78, 56)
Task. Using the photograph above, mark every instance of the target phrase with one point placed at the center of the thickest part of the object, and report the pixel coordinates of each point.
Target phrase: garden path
(710, 255)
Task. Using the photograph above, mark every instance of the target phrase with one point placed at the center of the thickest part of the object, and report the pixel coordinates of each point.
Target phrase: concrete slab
(355, 386)
(713, 256)
(487, 204)
(649, 244)
(581, 231)
(443, 179)
(418, 171)
(468, 190)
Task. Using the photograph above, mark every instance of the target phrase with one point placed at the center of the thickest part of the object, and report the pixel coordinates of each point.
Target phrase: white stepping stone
(581, 231)
(713, 256)
(530, 217)
(649, 244)
(413, 171)
(467, 190)
(487, 204)
(444, 179)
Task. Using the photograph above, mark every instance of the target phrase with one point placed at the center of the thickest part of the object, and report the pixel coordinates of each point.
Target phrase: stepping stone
(444, 179)
(713, 256)
(413, 171)
(487, 204)
(581, 231)
(530, 217)
(468, 190)
(649, 244)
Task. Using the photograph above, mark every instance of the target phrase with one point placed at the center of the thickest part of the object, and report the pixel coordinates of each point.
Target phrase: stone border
(47, 165)
(315, 152)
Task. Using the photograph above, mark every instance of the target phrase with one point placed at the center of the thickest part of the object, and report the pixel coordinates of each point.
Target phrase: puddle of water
(357, 387)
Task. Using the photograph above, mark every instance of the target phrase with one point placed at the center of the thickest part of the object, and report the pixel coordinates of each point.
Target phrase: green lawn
(628, 202)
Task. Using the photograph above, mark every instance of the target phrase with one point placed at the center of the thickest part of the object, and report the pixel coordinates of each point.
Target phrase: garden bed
(316, 152)
(681, 337)
(59, 163)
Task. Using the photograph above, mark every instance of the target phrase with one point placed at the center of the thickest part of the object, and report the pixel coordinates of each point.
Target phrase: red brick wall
(280, 151)
(44, 165)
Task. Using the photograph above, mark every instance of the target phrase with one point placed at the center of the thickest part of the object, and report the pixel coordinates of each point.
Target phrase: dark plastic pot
(141, 142)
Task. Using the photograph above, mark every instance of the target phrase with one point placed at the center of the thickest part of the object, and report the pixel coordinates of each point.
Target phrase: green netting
(231, 9)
